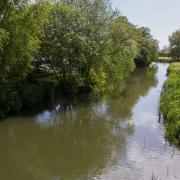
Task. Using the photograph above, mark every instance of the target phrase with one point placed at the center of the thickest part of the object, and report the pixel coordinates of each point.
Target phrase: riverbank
(170, 103)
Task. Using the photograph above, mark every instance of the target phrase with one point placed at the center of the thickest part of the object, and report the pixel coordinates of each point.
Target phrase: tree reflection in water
(76, 141)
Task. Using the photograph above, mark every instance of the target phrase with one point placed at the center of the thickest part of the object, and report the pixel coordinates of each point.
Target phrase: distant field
(165, 59)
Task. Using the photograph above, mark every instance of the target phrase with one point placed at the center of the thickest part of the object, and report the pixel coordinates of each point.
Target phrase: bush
(9, 98)
(33, 93)
(25, 94)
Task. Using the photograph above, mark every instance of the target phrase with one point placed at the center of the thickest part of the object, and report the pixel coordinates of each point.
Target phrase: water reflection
(110, 108)
(79, 138)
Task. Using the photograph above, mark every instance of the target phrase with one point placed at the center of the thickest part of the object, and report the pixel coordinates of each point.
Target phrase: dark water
(112, 138)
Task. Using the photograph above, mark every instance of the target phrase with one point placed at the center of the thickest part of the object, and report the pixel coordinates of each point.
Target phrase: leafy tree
(121, 49)
(84, 44)
(73, 42)
(23, 26)
(148, 47)
(20, 30)
(174, 40)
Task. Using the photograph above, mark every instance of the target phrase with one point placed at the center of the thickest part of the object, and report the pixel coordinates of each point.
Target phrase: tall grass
(170, 103)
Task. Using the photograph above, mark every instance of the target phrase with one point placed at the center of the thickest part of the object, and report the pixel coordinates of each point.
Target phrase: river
(110, 138)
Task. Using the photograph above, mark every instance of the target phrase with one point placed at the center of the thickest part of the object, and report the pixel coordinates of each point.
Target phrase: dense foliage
(170, 103)
(21, 26)
(20, 30)
(147, 47)
(81, 44)
(16, 95)
(174, 40)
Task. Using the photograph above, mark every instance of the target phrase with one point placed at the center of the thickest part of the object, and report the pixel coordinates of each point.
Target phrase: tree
(174, 41)
(85, 43)
(147, 47)
(164, 52)
(73, 42)
(121, 49)
(20, 29)
(22, 23)
(3, 42)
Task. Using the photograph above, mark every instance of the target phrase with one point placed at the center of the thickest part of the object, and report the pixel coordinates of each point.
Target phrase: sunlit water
(112, 138)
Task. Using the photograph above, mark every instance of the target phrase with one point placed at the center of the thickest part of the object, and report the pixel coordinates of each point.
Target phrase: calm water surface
(112, 138)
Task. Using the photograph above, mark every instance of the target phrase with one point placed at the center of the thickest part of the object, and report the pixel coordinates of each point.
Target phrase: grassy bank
(170, 103)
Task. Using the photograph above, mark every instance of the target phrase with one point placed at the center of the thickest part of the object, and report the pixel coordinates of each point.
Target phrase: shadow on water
(77, 139)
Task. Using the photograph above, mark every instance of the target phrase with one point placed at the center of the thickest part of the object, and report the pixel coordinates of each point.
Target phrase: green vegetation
(147, 48)
(82, 44)
(25, 94)
(164, 59)
(174, 41)
(171, 53)
(165, 55)
(21, 26)
(170, 103)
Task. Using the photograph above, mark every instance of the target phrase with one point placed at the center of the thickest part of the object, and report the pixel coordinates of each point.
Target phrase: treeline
(80, 45)
(173, 49)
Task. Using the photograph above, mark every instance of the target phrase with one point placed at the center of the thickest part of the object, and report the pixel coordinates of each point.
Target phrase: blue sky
(161, 16)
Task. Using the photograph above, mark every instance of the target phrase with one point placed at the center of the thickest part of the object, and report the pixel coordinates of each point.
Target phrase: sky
(161, 16)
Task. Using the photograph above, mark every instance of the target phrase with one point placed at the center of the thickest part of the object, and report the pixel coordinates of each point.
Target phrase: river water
(110, 138)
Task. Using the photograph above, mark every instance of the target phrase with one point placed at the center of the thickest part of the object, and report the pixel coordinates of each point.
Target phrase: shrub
(14, 96)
